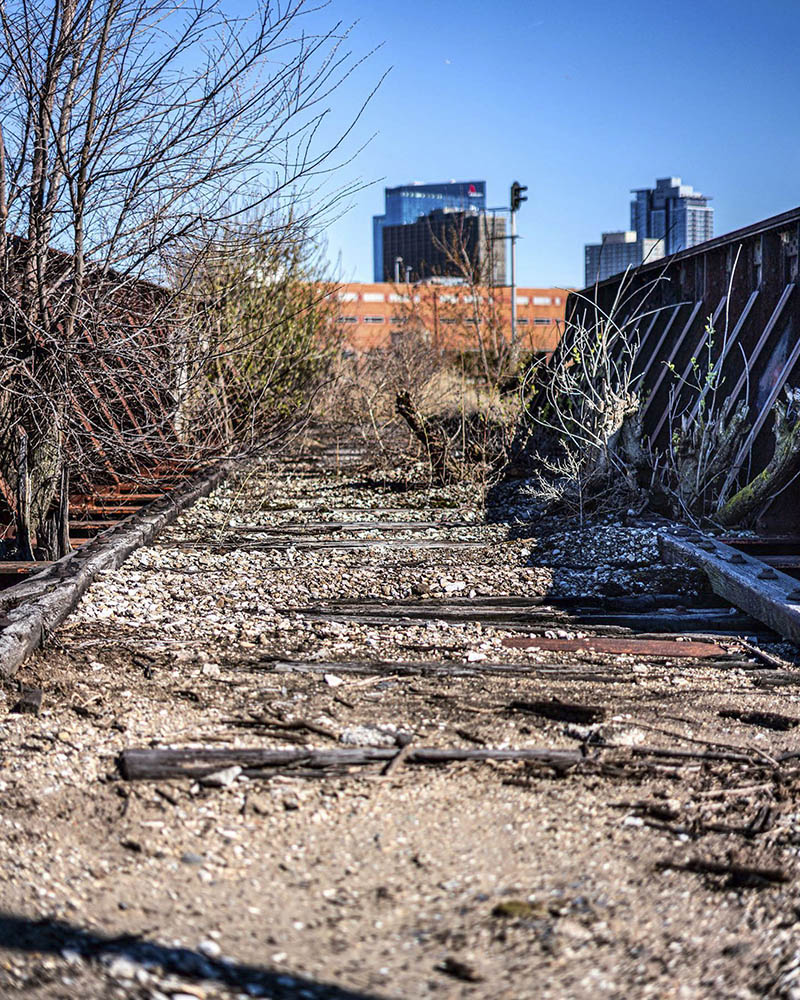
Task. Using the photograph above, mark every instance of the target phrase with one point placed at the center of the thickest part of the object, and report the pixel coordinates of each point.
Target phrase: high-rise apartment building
(673, 212)
(446, 243)
(616, 253)
(406, 204)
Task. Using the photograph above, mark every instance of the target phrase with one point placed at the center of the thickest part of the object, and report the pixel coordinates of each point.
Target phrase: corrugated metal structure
(746, 282)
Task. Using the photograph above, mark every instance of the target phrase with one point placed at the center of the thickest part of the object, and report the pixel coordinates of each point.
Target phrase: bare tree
(135, 133)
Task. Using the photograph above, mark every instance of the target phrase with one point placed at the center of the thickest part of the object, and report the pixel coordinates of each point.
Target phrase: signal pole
(517, 198)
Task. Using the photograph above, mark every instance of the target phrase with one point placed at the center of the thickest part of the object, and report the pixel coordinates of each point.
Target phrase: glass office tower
(672, 212)
(408, 203)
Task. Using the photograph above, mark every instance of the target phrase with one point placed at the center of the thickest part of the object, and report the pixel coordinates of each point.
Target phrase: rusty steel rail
(90, 514)
(746, 282)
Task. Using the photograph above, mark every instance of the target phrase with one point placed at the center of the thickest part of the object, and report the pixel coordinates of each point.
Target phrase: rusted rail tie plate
(651, 648)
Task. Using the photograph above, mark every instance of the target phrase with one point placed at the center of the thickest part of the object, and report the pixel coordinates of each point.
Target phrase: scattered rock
(367, 736)
(520, 909)
(221, 779)
(209, 948)
(30, 702)
(464, 971)
(190, 858)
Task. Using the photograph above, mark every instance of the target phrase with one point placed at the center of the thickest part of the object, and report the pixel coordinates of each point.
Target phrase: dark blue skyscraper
(672, 212)
(411, 201)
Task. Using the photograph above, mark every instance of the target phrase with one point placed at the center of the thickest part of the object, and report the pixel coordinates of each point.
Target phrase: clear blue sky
(580, 100)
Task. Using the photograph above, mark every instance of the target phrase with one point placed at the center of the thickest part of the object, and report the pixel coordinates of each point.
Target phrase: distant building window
(542, 300)
(348, 319)
(394, 297)
(448, 320)
(557, 301)
(374, 297)
(347, 297)
(449, 299)
(543, 321)
(373, 319)
(399, 319)
(522, 300)
(522, 322)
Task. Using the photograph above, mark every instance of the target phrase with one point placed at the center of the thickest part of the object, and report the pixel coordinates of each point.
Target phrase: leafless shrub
(134, 135)
(462, 418)
(583, 411)
(705, 435)
(261, 336)
(420, 408)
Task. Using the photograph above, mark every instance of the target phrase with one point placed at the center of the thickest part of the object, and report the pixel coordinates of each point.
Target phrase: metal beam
(756, 588)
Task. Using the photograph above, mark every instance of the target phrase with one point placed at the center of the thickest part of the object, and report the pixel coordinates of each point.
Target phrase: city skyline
(665, 219)
(516, 92)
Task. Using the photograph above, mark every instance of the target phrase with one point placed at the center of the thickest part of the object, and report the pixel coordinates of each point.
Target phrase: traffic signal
(517, 197)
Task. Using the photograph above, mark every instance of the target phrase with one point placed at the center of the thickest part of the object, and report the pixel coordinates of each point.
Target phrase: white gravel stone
(365, 736)
(222, 779)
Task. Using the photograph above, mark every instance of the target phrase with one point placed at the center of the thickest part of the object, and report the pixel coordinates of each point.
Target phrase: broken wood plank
(344, 544)
(567, 672)
(767, 720)
(519, 615)
(157, 764)
(656, 648)
(518, 622)
(560, 711)
(437, 668)
(140, 764)
(578, 604)
(738, 875)
(326, 527)
(777, 678)
(758, 589)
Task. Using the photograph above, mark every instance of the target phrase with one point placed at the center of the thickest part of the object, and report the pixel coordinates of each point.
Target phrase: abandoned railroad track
(333, 734)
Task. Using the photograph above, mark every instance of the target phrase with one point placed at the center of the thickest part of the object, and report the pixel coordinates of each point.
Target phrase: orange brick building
(373, 316)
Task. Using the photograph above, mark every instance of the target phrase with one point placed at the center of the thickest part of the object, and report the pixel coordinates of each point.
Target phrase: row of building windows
(447, 320)
(375, 297)
(522, 300)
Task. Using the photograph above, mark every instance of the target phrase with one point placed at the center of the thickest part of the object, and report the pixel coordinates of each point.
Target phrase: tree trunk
(782, 468)
(64, 546)
(435, 450)
(23, 512)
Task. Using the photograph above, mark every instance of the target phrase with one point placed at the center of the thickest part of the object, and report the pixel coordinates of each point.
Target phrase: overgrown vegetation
(584, 415)
(445, 390)
(590, 446)
(262, 335)
(134, 139)
(423, 409)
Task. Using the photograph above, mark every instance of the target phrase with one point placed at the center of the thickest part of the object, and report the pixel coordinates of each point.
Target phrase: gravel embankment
(499, 880)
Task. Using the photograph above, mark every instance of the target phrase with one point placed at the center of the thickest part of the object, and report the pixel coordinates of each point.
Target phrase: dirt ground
(488, 880)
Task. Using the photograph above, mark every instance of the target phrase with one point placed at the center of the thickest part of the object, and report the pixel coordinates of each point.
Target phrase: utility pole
(517, 198)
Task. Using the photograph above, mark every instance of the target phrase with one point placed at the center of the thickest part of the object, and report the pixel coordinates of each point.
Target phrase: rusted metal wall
(746, 282)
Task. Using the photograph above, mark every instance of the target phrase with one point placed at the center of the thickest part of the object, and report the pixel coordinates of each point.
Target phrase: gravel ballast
(500, 879)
